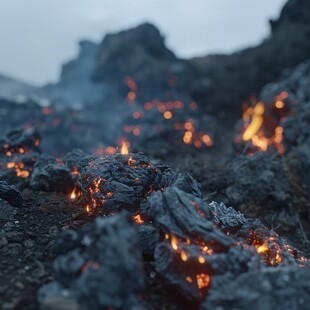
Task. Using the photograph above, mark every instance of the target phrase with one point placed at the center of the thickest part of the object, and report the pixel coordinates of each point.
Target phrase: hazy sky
(37, 36)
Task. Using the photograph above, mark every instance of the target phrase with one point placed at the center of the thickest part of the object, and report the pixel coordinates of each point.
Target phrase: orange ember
(169, 110)
(74, 194)
(138, 219)
(167, 115)
(184, 256)
(19, 168)
(270, 250)
(174, 242)
(261, 125)
(124, 145)
(256, 123)
(203, 280)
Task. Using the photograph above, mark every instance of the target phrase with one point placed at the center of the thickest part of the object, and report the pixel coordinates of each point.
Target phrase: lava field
(128, 191)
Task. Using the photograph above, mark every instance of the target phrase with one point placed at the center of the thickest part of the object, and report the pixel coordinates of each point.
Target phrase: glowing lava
(125, 147)
(256, 123)
(261, 125)
(138, 219)
(76, 193)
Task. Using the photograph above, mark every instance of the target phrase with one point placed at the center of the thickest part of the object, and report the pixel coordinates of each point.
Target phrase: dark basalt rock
(28, 140)
(186, 275)
(120, 182)
(256, 66)
(194, 248)
(183, 181)
(256, 182)
(77, 159)
(10, 194)
(274, 251)
(141, 54)
(185, 216)
(48, 175)
(19, 150)
(202, 241)
(269, 288)
(296, 125)
(226, 218)
(103, 270)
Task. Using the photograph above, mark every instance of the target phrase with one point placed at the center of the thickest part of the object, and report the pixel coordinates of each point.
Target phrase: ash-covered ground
(213, 214)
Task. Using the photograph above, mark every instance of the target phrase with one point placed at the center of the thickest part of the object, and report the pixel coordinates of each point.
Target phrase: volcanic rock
(119, 182)
(140, 53)
(254, 181)
(280, 288)
(10, 194)
(240, 75)
(28, 140)
(296, 125)
(104, 269)
(185, 216)
(202, 241)
(48, 175)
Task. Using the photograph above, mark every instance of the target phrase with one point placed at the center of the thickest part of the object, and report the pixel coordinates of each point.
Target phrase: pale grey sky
(37, 36)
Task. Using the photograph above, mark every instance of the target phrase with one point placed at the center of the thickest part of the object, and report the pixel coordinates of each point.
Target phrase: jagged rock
(203, 241)
(19, 150)
(141, 54)
(280, 288)
(296, 125)
(48, 175)
(10, 194)
(254, 67)
(185, 216)
(118, 182)
(226, 218)
(256, 182)
(28, 140)
(194, 276)
(295, 81)
(77, 159)
(103, 269)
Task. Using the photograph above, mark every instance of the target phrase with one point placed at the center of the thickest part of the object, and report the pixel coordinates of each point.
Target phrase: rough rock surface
(48, 175)
(141, 54)
(185, 216)
(285, 288)
(10, 194)
(121, 182)
(102, 269)
(255, 67)
(255, 180)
